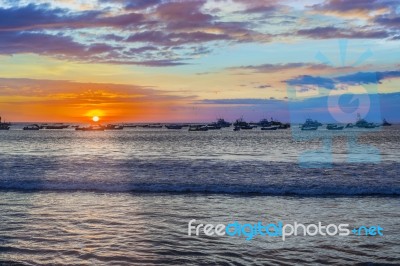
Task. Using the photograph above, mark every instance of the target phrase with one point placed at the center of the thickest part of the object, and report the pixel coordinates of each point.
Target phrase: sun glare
(95, 119)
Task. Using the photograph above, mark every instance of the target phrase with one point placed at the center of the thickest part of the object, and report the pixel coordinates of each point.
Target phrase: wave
(42, 173)
(214, 189)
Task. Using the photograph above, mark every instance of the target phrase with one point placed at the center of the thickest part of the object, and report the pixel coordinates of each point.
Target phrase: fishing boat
(90, 128)
(386, 123)
(155, 126)
(4, 125)
(236, 128)
(334, 127)
(266, 123)
(362, 123)
(174, 126)
(284, 126)
(349, 125)
(243, 125)
(307, 128)
(213, 126)
(222, 123)
(310, 125)
(198, 128)
(32, 127)
(114, 127)
(56, 126)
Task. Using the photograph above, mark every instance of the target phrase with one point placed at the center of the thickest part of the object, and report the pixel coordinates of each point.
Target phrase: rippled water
(86, 228)
(125, 197)
(215, 161)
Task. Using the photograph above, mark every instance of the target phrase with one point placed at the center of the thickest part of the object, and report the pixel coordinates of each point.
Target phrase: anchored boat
(4, 125)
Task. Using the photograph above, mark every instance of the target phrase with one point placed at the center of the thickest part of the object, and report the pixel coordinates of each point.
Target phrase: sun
(95, 119)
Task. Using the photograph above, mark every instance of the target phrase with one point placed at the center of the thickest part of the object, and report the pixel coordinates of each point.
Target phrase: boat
(386, 123)
(55, 126)
(270, 128)
(129, 125)
(222, 123)
(90, 128)
(243, 125)
(4, 125)
(349, 125)
(174, 126)
(309, 128)
(310, 124)
(155, 126)
(284, 126)
(236, 128)
(32, 127)
(362, 123)
(334, 127)
(264, 123)
(198, 128)
(213, 126)
(114, 127)
(371, 125)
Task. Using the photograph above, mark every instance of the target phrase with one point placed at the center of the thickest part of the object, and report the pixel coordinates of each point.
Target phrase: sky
(195, 61)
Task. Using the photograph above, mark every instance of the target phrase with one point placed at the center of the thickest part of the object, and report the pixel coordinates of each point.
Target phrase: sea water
(126, 197)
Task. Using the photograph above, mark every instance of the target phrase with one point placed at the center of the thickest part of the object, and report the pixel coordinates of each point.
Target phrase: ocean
(126, 197)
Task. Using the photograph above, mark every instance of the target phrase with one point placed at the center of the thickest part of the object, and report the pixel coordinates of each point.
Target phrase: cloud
(263, 68)
(243, 101)
(307, 80)
(167, 26)
(183, 15)
(121, 31)
(389, 21)
(140, 4)
(60, 90)
(151, 63)
(40, 43)
(42, 16)
(350, 6)
(331, 32)
(358, 78)
(161, 38)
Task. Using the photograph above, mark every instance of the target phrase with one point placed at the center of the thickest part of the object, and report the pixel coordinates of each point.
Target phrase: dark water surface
(126, 197)
(87, 228)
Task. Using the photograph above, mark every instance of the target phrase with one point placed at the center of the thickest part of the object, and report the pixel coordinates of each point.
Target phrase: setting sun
(95, 119)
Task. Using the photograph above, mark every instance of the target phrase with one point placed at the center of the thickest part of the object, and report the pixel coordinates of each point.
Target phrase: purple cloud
(279, 67)
(333, 32)
(390, 21)
(121, 31)
(42, 16)
(347, 6)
